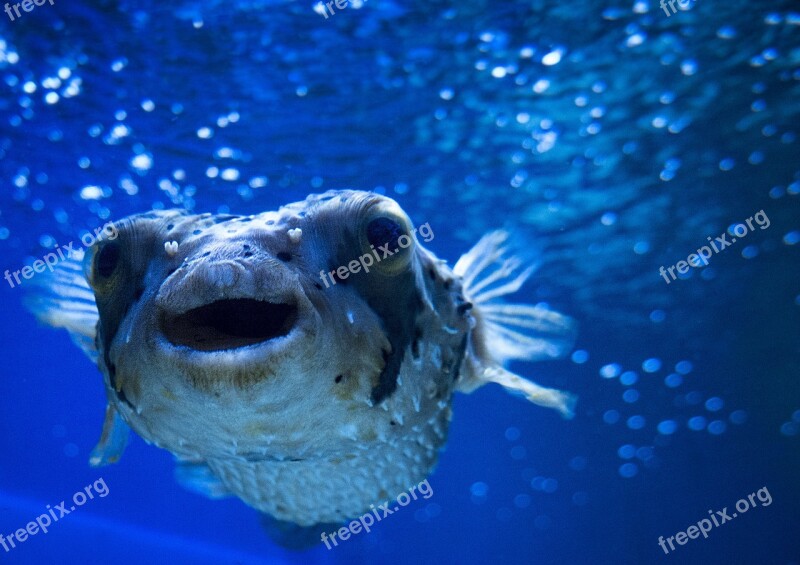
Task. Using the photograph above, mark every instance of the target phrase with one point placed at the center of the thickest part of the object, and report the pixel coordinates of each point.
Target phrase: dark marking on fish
(462, 348)
(399, 318)
(120, 394)
(124, 399)
(415, 342)
(338, 378)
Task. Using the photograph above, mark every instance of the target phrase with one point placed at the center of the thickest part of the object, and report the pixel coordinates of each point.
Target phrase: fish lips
(231, 305)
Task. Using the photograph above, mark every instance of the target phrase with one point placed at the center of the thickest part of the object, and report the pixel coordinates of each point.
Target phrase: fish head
(271, 336)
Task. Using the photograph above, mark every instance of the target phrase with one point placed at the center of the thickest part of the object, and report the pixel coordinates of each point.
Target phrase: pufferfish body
(277, 365)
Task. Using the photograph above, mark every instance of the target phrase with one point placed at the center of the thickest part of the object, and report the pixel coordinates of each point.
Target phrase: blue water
(613, 138)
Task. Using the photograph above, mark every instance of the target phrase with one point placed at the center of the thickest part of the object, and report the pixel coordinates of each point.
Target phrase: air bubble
(479, 489)
(717, 427)
(651, 365)
(673, 380)
(636, 422)
(580, 356)
(626, 451)
(667, 427)
(610, 371)
(697, 423)
(630, 396)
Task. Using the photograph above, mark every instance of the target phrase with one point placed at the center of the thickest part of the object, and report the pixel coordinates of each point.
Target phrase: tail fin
(509, 331)
(63, 299)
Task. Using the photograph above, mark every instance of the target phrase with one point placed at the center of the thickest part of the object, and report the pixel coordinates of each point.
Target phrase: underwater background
(612, 137)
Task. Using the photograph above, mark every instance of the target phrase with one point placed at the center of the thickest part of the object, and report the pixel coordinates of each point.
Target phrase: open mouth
(230, 324)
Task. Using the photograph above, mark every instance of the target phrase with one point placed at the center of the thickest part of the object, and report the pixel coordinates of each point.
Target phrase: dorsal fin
(509, 331)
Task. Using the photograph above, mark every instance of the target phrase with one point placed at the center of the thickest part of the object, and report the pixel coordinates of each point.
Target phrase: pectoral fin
(197, 477)
(63, 299)
(504, 331)
(113, 440)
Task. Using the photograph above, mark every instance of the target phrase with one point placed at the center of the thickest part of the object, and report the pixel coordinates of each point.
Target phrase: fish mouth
(230, 323)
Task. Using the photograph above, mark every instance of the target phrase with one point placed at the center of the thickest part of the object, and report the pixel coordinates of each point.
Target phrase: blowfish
(221, 339)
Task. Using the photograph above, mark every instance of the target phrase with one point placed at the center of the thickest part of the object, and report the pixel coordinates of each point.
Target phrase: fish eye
(386, 234)
(107, 260)
(102, 264)
(381, 231)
